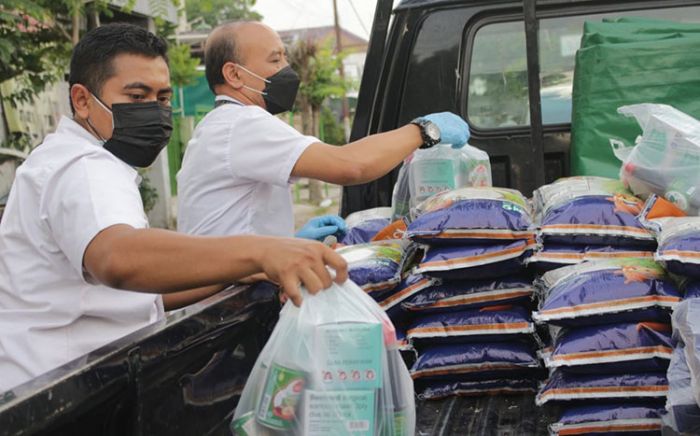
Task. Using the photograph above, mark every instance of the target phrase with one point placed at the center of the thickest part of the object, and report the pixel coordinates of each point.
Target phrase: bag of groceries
(330, 367)
(437, 169)
(666, 157)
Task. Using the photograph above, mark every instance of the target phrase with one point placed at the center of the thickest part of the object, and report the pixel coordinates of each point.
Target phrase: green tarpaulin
(622, 62)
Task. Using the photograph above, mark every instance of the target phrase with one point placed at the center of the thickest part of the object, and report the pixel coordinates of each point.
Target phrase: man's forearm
(380, 153)
(153, 260)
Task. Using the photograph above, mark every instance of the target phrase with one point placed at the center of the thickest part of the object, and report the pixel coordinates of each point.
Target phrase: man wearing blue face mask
(79, 266)
(237, 170)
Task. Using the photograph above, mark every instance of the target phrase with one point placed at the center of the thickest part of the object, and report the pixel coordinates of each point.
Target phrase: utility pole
(341, 72)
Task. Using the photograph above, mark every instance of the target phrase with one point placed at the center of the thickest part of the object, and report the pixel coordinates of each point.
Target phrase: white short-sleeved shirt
(235, 176)
(68, 190)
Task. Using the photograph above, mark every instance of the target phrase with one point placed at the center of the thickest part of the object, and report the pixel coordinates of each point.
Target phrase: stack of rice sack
(611, 344)
(679, 251)
(364, 225)
(588, 218)
(470, 315)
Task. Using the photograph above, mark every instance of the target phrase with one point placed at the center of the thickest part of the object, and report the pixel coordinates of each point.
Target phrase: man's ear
(80, 99)
(232, 75)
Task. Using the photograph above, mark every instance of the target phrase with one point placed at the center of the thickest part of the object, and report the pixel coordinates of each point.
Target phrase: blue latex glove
(321, 226)
(453, 129)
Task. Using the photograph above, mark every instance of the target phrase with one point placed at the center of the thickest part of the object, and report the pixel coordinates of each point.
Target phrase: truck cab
(506, 67)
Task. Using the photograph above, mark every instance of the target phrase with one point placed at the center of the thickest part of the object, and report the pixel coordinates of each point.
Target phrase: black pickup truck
(506, 67)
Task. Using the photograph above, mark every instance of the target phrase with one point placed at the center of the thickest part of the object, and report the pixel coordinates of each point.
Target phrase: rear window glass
(498, 88)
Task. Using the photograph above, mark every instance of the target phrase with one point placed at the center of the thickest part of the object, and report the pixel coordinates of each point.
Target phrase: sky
(295, 14)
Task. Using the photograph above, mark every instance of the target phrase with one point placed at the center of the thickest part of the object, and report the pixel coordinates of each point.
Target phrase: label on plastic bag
(244, 426)
(349, 356)
(431, 177)
(339, 413)
(278, 406)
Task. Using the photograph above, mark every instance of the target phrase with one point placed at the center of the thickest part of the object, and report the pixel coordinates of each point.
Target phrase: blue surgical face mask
(280, 89)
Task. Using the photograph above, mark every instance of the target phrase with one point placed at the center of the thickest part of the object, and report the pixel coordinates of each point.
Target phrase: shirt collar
(226, 97)
(67, 126)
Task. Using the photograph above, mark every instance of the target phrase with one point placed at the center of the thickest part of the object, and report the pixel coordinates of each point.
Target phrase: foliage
(317, 67)
(333, 131)
(34, 44)
(207, 14)
(149, 194)
(183, 67)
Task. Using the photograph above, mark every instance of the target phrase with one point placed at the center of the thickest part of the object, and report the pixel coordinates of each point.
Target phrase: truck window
(498, 77)
(498, 91)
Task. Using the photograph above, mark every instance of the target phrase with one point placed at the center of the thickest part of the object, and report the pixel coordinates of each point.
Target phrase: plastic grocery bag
(683, 413)
(666, 159)
(330, 367)
(437, 169)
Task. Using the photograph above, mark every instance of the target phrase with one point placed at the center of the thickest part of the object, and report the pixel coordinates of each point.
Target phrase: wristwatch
(429, 131)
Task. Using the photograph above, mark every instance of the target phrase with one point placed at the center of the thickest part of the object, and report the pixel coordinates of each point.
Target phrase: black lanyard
(223, 102)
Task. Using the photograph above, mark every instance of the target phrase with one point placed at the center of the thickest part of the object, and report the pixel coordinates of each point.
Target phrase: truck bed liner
(482, 416)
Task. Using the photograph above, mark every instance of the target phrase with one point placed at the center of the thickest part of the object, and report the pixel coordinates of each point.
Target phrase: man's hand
(321, 226)
(453, 129)
(295, 262)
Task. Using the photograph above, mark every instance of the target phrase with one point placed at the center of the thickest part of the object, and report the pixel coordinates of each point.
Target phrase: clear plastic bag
(686, 328)
(437, 169)
(683, 413)
(666, 158)
(330, 367)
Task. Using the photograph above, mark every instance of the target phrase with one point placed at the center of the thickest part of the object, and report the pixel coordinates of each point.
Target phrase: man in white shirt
(74, 239)
(237, 170)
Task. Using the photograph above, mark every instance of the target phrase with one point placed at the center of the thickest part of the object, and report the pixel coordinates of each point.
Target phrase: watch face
(432, 131)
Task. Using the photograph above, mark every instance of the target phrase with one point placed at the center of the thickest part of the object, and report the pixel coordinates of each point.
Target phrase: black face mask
(140, 131)
(280, 89)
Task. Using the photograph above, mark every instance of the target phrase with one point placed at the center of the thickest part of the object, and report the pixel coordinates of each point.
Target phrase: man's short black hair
(91, 62)
(220, 48)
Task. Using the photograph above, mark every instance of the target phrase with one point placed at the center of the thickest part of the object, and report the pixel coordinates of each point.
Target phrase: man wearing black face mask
(241, 160)
(74, 238)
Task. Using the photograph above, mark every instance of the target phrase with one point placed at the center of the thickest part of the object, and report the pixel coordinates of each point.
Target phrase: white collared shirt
(235, 176)
(67, 191)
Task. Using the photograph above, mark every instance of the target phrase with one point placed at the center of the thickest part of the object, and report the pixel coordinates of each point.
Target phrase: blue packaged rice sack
(622, 419)
(613, 348)
(691, 289)
(553, 256)
(409, 287)
(474, 262)
(590, 211)
(562, 386)
(365, 224)
(481, 361)
(376, 267)
(449, 296)
(498, 323)
(472, 215)
(606, 292)
(679, 245)
(436, 390)
(406, 349)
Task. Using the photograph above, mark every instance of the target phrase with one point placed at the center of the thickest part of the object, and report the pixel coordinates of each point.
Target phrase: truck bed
(184, 376)
(482, 416)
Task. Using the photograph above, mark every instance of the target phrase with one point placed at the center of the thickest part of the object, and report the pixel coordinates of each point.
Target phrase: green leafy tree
(35, 44)
(207, 14)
